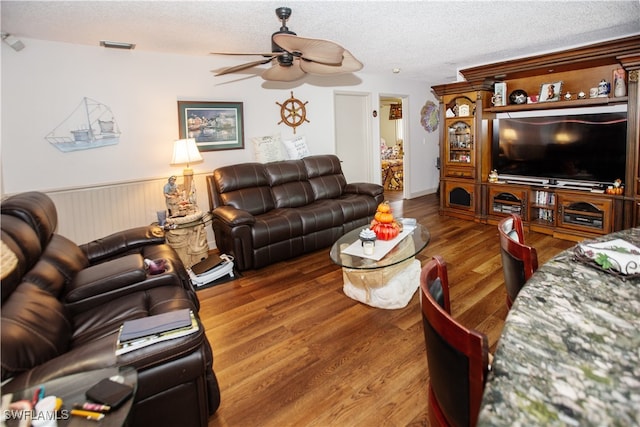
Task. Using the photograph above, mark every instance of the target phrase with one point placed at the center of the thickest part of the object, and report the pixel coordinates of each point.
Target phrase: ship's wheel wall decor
(293, 112)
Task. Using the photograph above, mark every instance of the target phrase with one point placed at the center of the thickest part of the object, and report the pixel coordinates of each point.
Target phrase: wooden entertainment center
(570, 212)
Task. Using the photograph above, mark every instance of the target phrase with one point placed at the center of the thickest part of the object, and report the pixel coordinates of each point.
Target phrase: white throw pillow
(296, 147)
(268, 148)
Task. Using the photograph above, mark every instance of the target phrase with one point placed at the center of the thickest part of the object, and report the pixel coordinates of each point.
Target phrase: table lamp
(185, 151)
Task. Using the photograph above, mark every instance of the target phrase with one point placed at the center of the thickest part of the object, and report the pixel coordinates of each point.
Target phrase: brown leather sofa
(264, 213)
(63, 305)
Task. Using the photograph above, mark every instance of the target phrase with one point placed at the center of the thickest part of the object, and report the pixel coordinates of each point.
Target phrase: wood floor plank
(290, 349)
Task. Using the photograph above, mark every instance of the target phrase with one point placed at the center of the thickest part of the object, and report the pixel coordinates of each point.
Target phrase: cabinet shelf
(559, 104)
(543, 222)
(543, 206)
(506, 200)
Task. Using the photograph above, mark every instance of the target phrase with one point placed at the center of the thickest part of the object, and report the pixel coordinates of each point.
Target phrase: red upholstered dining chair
(458, 357)
(519, 261)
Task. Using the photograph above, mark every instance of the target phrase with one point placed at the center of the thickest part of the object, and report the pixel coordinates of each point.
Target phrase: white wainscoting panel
(89, 213)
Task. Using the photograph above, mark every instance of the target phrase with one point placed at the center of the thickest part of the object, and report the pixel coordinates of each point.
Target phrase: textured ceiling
(427, 40)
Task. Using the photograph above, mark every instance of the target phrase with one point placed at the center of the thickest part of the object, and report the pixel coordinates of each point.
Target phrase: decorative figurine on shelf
(172, 195)
(604, 88)
(619, 85)
(493, 176)
(617, 188)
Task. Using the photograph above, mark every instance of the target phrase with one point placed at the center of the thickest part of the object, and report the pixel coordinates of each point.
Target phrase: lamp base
(189, 187)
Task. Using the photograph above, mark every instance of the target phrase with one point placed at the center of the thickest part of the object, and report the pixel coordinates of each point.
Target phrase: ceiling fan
(296, 56)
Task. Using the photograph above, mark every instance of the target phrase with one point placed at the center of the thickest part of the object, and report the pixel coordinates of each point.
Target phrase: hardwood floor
(291, 349)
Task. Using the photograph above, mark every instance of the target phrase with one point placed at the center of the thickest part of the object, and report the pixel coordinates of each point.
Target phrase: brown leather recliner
(63, 305)
(264, 213)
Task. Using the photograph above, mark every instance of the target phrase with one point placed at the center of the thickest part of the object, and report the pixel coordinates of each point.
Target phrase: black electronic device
(585, 145)
(109, 392)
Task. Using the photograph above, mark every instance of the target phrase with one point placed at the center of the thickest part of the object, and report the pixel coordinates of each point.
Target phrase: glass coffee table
(71, 389)
(384, 279)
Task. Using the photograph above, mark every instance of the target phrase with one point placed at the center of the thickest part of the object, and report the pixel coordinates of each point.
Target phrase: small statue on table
(172, 195)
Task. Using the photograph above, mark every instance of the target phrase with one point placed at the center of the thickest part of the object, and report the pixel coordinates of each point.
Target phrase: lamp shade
(185, 151)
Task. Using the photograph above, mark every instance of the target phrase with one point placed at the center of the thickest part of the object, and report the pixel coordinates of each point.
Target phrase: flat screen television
(584, 145)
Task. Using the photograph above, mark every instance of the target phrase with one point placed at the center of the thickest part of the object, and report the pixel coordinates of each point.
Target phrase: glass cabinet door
(460, 142)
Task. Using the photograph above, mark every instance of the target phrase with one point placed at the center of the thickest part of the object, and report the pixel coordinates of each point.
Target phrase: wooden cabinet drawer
(466, 173)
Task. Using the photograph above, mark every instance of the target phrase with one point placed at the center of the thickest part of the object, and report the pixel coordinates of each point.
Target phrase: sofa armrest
(122, 242)
(233, 217)
(367, 188)
(104, 282)
(106, 277)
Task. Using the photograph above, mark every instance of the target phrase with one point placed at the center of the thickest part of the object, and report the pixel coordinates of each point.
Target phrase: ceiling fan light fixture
(286, 60)
(278, 73)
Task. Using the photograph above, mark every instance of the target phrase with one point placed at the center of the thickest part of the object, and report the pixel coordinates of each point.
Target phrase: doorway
(392, 144)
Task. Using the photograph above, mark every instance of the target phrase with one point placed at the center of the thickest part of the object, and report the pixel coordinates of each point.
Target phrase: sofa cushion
(34, 329)
(320, 215)
(61, 260)
(107, 318)
(276, 226)
(289, 184)
(245, 187)
(36, 209)
(287, 171)
(325, 176)
(356, 206)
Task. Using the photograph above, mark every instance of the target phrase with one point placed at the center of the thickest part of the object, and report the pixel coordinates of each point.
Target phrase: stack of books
(139, 333)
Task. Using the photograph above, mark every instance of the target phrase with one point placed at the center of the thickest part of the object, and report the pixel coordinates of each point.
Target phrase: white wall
(43, 83)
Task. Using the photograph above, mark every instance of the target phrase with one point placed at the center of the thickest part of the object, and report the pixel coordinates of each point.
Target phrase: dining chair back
(519, 261)
(458, 358)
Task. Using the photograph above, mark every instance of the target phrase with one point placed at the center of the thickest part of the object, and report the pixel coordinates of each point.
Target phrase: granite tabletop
(569, 353)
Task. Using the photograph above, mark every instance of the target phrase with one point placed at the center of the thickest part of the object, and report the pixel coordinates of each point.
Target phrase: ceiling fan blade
(349, 65)
(278, 73)
(265, 54)
(241, 67)
(317, 50)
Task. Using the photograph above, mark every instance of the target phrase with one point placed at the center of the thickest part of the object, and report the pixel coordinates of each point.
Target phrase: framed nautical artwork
(91, 125)
(214, 125)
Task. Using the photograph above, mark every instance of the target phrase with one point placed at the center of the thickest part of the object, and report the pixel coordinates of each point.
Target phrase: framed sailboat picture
(214, 125)
(91, 125)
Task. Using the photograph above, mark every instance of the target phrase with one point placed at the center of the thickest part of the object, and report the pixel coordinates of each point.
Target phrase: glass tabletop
(71, 389)
(188, 221)
(407, 248)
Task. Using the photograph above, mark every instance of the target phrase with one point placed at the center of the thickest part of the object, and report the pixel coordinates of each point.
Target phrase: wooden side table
(187, 235)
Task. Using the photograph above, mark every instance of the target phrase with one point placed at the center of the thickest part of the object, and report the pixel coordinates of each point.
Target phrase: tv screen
(561, 145)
